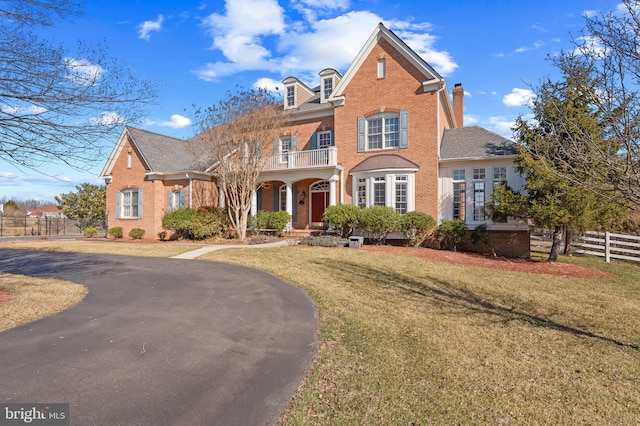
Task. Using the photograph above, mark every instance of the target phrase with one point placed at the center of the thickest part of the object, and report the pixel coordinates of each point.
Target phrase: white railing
(302, 159)
(609, 245)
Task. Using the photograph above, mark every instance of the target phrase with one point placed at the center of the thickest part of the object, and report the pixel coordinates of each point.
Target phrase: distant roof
(166, 154)
(384, 162)
(474, 142)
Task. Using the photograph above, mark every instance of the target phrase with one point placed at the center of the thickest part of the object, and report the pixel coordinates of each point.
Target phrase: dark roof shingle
(474, 142)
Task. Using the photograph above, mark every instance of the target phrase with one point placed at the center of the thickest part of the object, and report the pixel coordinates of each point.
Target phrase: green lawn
(411, 341)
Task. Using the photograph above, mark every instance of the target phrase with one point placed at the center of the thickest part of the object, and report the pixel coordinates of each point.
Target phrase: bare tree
(237, 133)
(607, 161)
(59, 105)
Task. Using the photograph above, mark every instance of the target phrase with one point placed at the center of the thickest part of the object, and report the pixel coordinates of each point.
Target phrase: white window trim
(286, 96)
(283, 155)
(132, 206)
(323, 90)
(382, 68)
(390, 187)
(319, 136)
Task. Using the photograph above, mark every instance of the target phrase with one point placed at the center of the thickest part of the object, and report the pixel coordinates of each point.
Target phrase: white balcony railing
(302, 159)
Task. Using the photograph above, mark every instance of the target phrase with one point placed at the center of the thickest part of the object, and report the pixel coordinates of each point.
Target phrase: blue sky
(198, 50)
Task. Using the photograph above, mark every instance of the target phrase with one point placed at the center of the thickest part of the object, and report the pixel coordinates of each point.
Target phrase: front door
(319, 202)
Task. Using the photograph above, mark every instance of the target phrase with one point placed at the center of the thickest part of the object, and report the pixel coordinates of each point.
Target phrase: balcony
(317, 158)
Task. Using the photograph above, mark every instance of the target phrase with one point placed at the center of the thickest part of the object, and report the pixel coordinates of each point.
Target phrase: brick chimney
(458, 104)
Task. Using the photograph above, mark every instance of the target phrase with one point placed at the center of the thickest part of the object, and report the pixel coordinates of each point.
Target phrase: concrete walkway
(193, 254)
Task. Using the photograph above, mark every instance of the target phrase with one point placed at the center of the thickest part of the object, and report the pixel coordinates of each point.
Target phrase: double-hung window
(291, 96)
(285, 147)
(499, 175)
(383, 132)
(328, 87)
(401, 194)
(478, 194)
(459, 194)
(129, 204)
(379, 191)
(362, 193)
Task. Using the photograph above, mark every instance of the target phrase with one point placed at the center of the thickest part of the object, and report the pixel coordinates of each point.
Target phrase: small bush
(451, 233)
(209, 222)
(325, 241)
(116, 232)
(90, 232)
(343, 218)
(162, 235)
(136, 233)
(270, 220)
(180, 220)
(379, 221)
(416, 227)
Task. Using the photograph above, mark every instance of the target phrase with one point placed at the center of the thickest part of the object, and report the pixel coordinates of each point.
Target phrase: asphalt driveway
(160, 342)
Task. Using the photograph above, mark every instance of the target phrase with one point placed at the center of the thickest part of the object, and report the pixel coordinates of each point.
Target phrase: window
(478, 174)
(362, 193)
(328, 87)
(285, 147)
(291, 96)
(382, 68)
(401, 194)
(283, 198)
(129, 159)
(383, 132)
(459, 194)
(129, 203)
(499, 175)
(478, 201)
(379, 191)
(176, 200)
(324, 139)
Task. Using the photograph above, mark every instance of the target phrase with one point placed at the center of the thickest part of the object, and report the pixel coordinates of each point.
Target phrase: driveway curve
(160, 342)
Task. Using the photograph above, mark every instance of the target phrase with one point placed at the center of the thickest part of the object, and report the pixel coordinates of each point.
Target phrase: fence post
(607, 246)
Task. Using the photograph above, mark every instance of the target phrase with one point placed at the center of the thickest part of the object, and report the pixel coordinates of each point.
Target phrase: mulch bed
(5, 296)
(534, 266)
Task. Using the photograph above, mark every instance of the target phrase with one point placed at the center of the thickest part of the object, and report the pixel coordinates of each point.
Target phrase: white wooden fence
(609, 245)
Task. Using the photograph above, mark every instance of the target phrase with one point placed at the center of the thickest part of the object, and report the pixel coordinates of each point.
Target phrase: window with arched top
(320, 186)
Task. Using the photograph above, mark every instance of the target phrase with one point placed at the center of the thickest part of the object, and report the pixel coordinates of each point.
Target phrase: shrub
(480, 236)
(162, 235)
(271, 220)
(379, 221)
(90, 232)
(209, 222)
(136, 233)
(416, 227)
(179, 220)
(343, 218)
(451, 233)
(324, 241)
(116, 232)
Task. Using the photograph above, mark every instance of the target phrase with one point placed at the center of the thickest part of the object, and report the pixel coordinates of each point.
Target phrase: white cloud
(22, 110)
(177, 122)
(252, 35)
(590, 13)
(518, 97)
(82, 72)
(501, 126)
(470, 120)
(144, 29)
(268, 84)
(535, 46)
(108, 119)
(589, 46)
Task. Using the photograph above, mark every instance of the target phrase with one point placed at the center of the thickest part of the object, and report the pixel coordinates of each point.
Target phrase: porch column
(254, 203)
(289, 205)
(332, 190)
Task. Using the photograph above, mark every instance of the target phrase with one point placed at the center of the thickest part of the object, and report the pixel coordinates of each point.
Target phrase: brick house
(387, 132)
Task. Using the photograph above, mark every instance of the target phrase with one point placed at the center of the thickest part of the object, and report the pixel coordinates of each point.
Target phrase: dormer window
(291, 96)
(327, 86)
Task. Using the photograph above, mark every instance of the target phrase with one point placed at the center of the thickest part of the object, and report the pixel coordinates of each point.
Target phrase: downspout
(190, 191)
(342, 186)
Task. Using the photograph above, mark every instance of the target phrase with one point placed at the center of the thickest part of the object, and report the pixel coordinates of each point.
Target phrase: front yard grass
(128, 248)
(413, 341)
(32, 298)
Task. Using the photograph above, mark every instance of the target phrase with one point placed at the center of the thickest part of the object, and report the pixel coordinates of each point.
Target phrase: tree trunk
(555, 245)
(567, 242)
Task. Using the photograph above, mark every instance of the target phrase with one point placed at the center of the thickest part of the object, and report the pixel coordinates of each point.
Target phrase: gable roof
(384, 162)
(160, 153)
(432, 78)
(474, 143)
